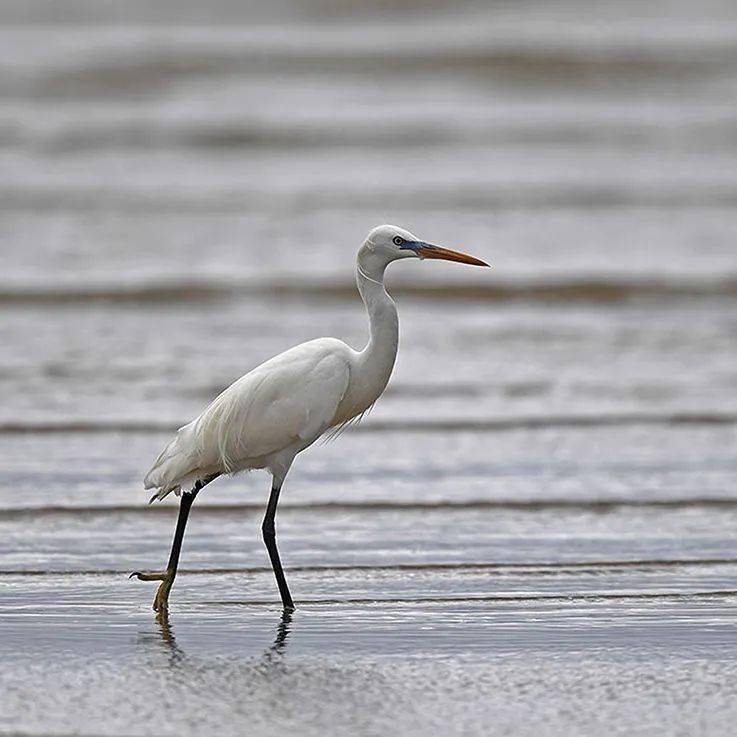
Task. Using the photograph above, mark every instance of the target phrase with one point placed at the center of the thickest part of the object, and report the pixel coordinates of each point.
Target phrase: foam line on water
(572, 597)
(531, 505)
(432, 197)
(16, 427)
(459, 568)
(605, 290)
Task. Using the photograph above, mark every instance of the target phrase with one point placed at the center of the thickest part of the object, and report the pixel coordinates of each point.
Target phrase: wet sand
(522, 667)
(420, 610)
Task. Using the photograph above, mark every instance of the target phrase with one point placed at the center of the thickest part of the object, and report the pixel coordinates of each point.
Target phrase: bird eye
(398, 240)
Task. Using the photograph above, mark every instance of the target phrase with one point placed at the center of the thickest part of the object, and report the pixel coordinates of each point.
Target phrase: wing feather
(287, 401)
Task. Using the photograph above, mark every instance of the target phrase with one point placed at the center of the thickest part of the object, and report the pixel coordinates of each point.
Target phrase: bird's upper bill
(426, 250)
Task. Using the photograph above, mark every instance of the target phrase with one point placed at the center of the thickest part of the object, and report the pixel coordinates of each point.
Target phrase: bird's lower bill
(428, 251)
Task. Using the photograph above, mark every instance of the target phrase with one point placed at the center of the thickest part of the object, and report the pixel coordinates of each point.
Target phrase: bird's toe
(151, 575)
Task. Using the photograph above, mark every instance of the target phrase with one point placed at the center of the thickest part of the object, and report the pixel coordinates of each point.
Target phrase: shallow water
(533, 531)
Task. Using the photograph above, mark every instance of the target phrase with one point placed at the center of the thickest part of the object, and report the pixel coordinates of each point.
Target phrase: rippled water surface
(533, 533)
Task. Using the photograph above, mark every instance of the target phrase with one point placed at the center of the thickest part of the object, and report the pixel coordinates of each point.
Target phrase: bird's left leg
(161, 600)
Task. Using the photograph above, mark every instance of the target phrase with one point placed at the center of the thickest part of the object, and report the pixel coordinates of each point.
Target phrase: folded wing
(287, 402)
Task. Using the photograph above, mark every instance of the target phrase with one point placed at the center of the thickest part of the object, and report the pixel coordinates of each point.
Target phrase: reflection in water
(176, 654)
(168, 638)
(271, 660)
(282, 633)
(164, 640)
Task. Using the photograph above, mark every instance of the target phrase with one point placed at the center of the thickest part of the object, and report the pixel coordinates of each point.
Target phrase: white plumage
(262, 420)
(281, 407)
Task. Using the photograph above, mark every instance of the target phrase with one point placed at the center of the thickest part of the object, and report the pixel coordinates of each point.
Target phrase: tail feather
(176, 466)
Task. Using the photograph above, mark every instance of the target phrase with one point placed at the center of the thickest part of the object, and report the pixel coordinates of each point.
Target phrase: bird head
(389, 243)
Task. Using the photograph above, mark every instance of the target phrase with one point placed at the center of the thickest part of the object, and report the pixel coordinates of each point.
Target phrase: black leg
(161, 601)
(269, 532)
(176, 547)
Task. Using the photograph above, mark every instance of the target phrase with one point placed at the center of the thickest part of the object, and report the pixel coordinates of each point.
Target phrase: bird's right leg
(269, 532)
(161, 600)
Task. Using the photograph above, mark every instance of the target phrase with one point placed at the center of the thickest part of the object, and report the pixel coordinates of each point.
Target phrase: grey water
(533, 532)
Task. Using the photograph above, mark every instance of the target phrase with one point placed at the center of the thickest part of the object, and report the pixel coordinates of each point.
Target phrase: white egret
(284, 405)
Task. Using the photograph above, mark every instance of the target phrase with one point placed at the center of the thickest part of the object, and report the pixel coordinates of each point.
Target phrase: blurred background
(184, 188)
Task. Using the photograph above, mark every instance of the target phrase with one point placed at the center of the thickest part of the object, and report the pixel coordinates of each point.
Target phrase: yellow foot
(161, 600)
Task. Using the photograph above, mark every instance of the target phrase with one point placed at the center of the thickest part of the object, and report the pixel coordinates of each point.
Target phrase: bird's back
(282, 405)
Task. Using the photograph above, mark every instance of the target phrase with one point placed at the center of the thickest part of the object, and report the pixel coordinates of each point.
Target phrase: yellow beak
(425, 250)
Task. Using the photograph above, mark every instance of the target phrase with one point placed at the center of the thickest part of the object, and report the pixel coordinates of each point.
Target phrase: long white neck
(376, 361)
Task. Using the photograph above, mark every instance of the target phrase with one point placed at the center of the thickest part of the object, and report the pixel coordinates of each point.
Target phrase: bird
(281, 407)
